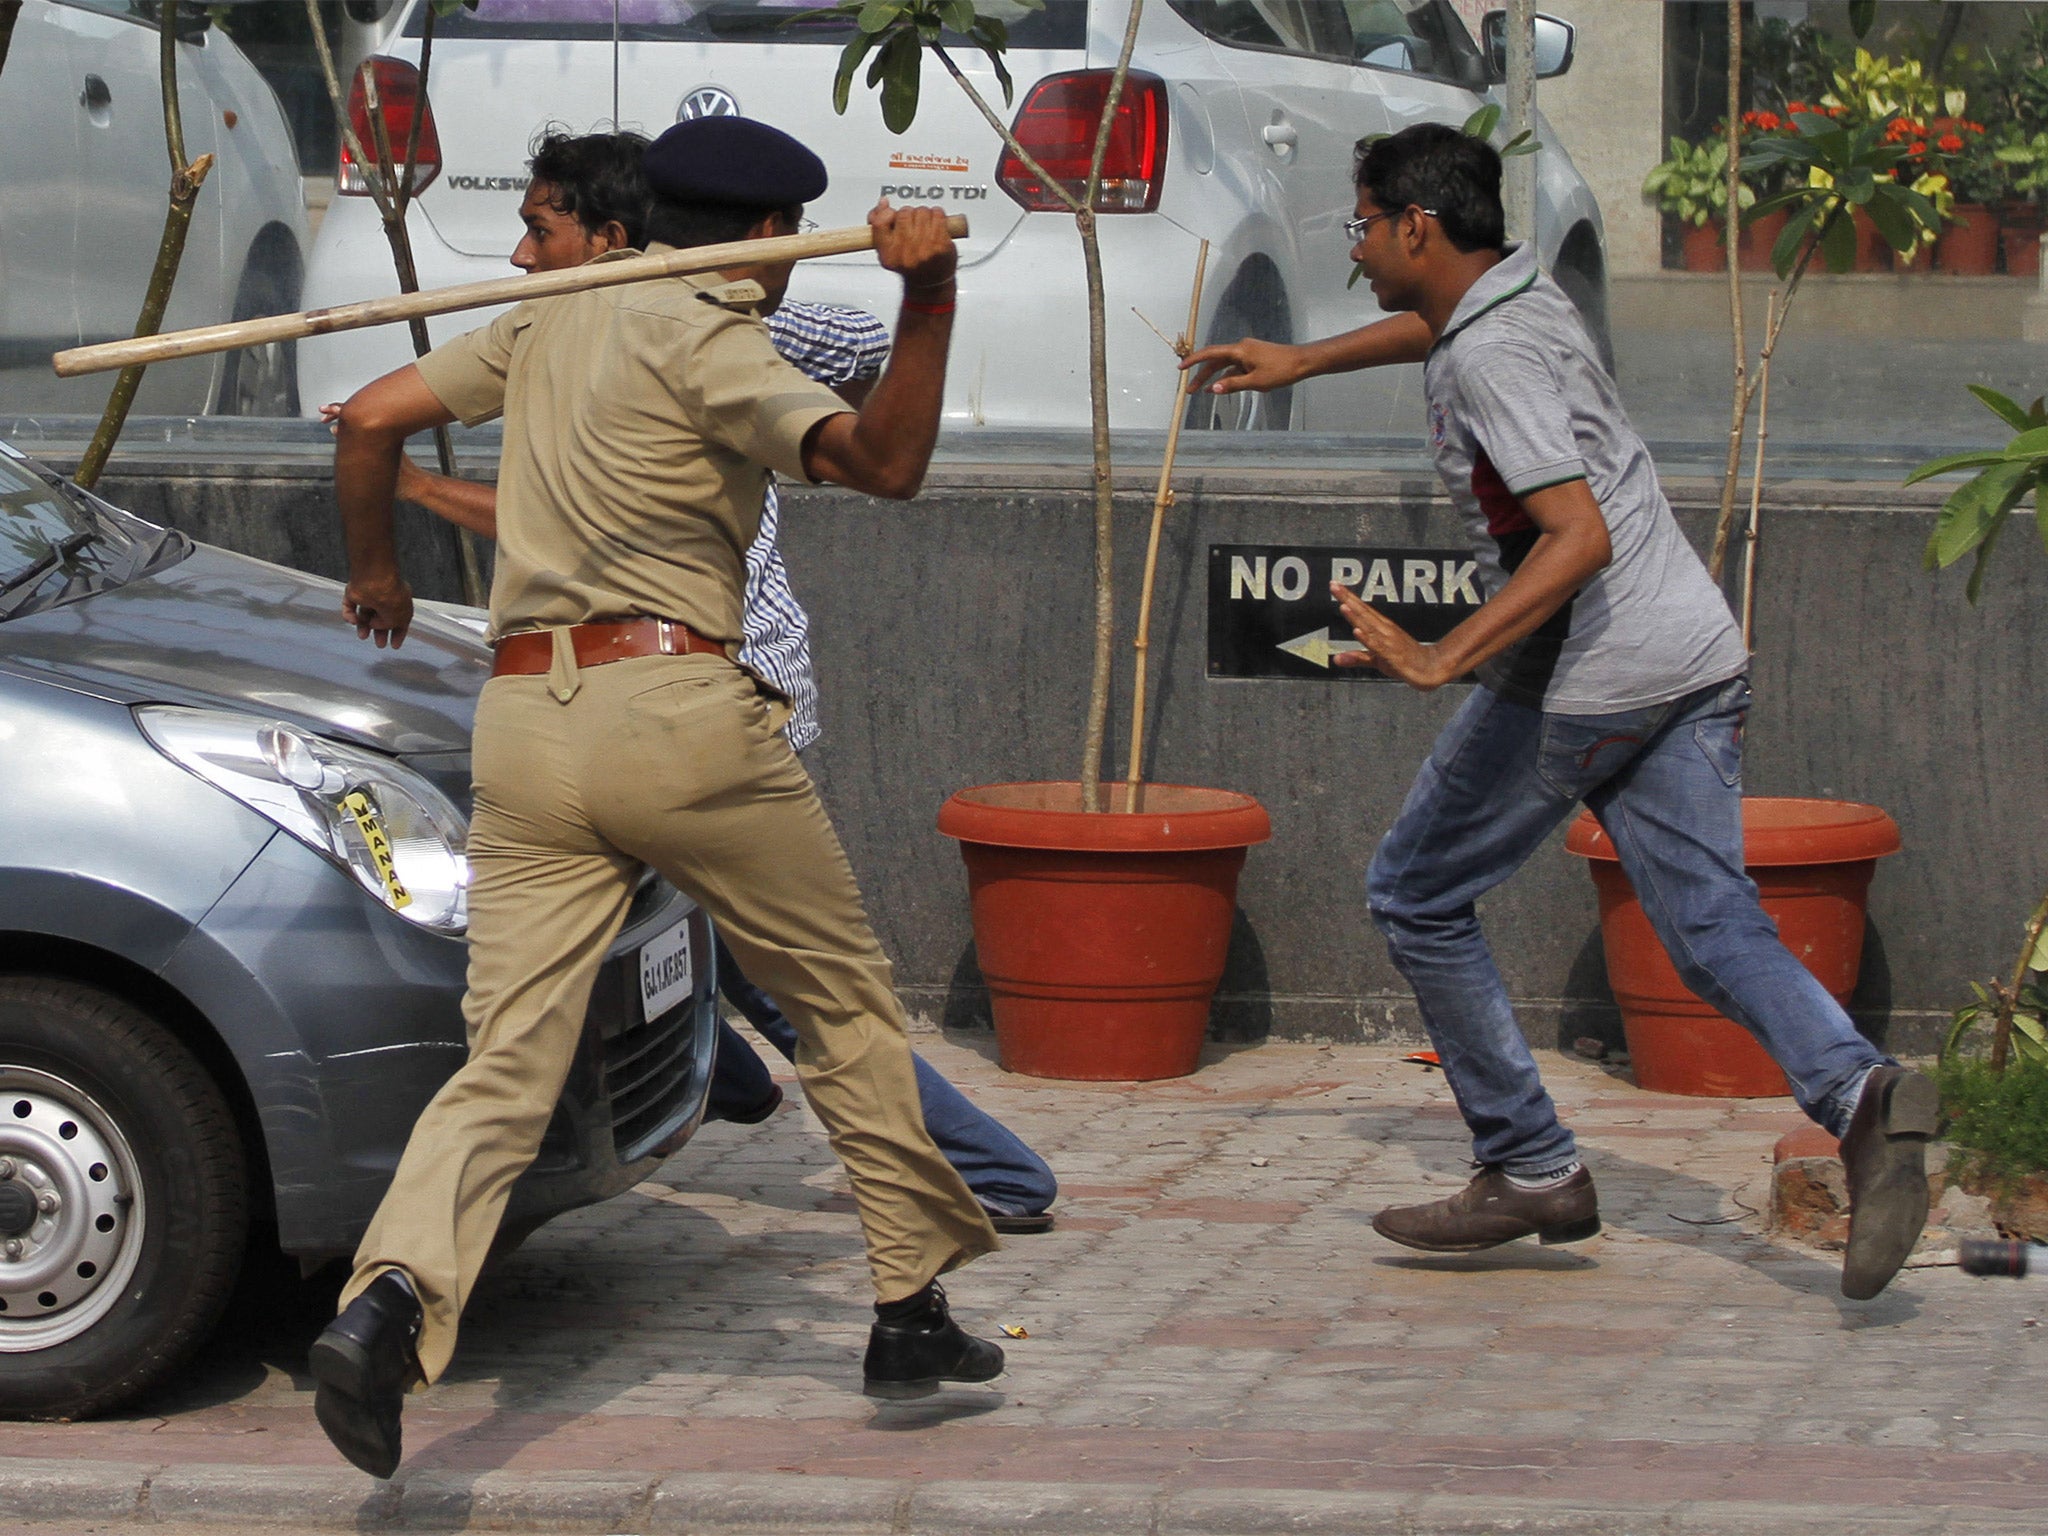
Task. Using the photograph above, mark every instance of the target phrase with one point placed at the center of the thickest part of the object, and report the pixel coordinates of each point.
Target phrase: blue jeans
(1005, 1175)
(1666, 784)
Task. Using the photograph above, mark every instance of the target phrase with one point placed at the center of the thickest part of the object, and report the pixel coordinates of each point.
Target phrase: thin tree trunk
(1518, 180)
(1738, 408)
(186, 180)
(1752, 533)
(1097, 727)
(1098, 411)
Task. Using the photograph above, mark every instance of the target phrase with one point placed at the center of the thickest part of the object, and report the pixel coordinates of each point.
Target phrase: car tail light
(398, 97)
(1057, 126)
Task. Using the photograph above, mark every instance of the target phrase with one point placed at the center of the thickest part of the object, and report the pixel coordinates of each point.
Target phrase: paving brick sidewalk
(1218, 1343)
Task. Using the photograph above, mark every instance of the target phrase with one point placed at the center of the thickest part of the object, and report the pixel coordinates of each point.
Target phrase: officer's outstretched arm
(885, 448)
(369, 440)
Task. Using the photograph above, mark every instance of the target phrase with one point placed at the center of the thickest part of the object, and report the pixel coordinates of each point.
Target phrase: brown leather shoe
(1490, 1211)
(1884, 1153)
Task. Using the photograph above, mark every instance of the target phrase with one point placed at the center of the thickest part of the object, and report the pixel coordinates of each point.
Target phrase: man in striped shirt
(586, 198)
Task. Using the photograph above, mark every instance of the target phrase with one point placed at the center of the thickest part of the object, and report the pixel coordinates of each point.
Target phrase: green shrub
(2000, 1119)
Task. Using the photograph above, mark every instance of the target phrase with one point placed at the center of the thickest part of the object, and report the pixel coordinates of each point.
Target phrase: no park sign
(1271, 613)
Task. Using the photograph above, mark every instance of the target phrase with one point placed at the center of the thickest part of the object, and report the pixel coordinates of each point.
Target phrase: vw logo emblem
(707, 101)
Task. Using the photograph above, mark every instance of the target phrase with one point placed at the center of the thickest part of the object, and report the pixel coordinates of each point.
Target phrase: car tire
(1255, 304)
(262, 381)
(124, 1213)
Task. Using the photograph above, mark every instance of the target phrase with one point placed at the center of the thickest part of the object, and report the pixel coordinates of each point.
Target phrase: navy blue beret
(732, 160)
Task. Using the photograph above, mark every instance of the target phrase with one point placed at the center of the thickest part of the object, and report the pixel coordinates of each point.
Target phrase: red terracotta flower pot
(1812, 861)
(1969, 246)
(1873, 253)
(1758, 237)
(1102, 937)
(1699, 248)
(2020, 240)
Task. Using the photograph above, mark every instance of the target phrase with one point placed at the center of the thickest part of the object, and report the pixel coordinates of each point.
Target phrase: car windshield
(1058, 24)
(58, 544)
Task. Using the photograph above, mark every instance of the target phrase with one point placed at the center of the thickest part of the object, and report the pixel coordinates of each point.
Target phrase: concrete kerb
(50, 1492)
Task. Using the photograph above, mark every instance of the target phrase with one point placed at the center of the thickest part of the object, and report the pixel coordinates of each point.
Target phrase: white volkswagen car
(1238, 127)
(84, 177)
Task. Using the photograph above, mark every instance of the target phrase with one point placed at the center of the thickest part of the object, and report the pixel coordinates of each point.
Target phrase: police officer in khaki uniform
(618, 731)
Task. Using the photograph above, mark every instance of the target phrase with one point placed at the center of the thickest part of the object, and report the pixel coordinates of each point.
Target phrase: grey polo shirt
(1518, 402)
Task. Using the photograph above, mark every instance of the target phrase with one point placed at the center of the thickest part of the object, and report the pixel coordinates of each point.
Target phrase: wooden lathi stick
(441, 301)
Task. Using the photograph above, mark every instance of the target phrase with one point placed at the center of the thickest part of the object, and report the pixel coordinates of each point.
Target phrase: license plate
(666, 976)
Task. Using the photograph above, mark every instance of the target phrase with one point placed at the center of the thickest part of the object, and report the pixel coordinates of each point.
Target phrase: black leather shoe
(364, 1362)
(1884, 1153)
(909, 1357)
(754, 1114)
(1492, 1210)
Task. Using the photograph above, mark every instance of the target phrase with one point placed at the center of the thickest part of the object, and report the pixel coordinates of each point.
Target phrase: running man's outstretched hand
(1225, 368)
(1388, 646)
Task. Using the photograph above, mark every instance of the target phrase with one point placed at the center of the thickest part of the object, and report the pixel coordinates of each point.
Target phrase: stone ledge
(62, 1495)
(1810, 1196)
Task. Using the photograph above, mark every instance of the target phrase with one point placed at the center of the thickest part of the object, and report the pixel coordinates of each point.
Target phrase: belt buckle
(665, 636)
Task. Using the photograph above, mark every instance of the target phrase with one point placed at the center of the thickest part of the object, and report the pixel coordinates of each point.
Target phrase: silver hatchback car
(232, 905)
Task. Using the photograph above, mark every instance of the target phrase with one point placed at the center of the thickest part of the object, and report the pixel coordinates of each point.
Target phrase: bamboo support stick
(441, 301)
(1161, 500)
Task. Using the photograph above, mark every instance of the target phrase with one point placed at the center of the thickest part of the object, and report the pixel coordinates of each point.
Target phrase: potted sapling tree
(1101, 921)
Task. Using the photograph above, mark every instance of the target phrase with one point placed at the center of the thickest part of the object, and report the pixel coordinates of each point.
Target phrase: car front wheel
(123, 1200)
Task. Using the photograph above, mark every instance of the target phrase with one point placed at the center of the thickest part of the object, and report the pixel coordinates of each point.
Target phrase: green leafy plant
(1841, 167)
(1835, 169)
(2013, 81)
(1976, 511)
(1975, 172)
(1483, 123)
(1873, 88)
(1788, 62)
(1692, 184)
(897, 32)
(2025, 163)
(1972, 518)
(1997, 1120)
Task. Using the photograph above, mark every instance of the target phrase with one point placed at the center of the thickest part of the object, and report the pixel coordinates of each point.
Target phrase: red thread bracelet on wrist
(915, 307)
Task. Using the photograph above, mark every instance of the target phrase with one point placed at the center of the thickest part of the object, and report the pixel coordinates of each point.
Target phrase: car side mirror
(1555, 41)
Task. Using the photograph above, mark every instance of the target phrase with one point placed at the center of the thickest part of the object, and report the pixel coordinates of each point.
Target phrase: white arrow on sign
(1316, 646)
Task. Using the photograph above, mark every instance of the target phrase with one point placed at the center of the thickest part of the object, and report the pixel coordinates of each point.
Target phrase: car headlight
(375, 818)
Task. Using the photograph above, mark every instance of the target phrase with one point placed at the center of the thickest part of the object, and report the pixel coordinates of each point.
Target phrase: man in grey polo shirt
(1610, 672)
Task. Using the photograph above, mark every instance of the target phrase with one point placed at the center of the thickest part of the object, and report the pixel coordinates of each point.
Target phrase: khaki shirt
(640, 426)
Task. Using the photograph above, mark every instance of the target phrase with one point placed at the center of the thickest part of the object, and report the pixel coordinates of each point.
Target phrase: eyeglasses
(1354, 229)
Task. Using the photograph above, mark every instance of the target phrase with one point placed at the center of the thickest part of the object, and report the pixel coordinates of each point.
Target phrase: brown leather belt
(533, 650)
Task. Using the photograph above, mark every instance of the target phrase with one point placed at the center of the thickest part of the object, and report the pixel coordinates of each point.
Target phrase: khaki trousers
(679, 763)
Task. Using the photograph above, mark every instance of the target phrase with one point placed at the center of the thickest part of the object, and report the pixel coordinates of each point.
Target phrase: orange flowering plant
(1838, 166)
